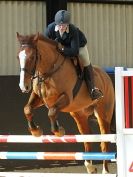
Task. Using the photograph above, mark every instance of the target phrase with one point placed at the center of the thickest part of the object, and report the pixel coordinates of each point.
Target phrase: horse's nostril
(26, 87)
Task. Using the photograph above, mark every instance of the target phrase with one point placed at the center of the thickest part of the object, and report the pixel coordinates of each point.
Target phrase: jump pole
(58, 155)
(54, 139)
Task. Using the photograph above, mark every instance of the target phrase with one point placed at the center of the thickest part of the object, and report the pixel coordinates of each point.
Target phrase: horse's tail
(113, 123)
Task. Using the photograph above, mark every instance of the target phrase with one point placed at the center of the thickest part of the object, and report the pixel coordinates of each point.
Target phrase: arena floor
(49, 167)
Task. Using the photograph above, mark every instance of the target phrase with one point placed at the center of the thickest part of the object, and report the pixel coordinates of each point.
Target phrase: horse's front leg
(61, 102)
(34, 102)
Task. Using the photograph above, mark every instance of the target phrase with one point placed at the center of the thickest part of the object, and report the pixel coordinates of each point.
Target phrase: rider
(73, 42)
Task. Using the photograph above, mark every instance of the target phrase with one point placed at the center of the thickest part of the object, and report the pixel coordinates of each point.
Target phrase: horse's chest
(49, 94)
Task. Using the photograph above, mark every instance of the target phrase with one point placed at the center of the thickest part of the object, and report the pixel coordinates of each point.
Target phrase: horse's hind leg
(34, 102)
(81, 120)
(104, 125)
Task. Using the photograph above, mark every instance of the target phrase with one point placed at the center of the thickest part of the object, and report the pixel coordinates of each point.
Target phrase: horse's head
(27, 56)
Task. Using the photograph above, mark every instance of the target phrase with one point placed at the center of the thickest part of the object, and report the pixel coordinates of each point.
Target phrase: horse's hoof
(91, 169)
(60, 133)
(105, 171)
(36, 132)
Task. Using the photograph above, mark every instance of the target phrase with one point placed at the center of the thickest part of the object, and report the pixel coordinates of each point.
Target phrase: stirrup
(96, 94)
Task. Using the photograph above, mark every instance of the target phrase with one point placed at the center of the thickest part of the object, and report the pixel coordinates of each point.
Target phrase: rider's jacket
(72, 40)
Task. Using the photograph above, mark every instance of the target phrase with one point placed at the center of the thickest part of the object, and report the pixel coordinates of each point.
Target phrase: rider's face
(62, 27)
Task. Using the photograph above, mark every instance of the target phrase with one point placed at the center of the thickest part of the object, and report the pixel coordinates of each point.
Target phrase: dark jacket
(71, 41)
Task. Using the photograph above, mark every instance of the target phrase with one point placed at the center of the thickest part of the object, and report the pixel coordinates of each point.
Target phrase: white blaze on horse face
(22, 58)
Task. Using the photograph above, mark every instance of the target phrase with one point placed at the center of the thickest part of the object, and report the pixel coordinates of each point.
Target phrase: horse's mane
(45, 39)
(28, 39)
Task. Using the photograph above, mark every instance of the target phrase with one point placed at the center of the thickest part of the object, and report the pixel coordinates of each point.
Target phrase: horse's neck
(48, 56)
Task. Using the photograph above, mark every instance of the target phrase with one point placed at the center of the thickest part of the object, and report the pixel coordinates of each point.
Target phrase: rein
(53, 70)
(45, 76)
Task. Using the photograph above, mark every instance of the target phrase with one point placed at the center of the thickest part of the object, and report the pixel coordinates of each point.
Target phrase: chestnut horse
(52, 78)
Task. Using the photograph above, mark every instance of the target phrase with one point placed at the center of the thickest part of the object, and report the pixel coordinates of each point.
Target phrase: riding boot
(94, 92)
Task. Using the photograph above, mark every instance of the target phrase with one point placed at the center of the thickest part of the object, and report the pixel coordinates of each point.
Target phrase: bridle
(46, 75)
(36, 74)
(32, 72)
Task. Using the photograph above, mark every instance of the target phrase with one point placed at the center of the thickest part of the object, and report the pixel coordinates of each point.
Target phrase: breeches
(84, 56)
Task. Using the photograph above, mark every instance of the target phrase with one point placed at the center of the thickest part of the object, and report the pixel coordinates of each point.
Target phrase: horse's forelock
(26, 39)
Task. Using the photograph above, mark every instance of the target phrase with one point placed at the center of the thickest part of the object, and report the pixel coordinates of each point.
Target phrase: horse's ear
(36, 37)
(18, 35)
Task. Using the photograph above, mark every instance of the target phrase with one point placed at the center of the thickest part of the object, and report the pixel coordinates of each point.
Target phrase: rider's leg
(94, 92)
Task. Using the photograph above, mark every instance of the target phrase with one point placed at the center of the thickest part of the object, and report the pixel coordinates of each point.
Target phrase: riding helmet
(62, 17)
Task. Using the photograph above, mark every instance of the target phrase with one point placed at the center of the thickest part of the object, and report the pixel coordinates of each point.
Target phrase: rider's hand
(60, 47)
